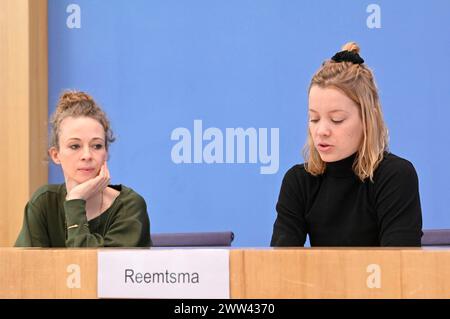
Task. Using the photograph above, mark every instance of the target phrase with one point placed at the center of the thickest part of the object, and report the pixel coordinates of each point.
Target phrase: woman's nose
(86, 153)
(323, 129)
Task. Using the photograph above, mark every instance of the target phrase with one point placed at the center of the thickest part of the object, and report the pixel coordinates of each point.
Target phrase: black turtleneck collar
(341, 168)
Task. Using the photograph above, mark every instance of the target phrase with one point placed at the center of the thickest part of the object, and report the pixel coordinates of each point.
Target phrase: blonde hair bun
(352, 47)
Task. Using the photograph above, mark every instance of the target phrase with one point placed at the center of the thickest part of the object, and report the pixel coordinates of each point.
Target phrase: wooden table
(254, 273)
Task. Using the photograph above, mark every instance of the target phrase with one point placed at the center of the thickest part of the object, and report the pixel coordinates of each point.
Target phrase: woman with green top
(85, 211)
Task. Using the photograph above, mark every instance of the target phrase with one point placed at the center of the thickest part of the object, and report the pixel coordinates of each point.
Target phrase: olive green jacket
(52, 221)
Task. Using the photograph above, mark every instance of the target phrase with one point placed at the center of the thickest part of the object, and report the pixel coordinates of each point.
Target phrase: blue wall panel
(157, 67)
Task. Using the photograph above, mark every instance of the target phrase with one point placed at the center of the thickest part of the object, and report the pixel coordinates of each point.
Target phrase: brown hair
(78, 104)
(357, 82)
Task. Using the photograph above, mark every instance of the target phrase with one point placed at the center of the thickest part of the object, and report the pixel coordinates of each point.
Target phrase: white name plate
(174, 273)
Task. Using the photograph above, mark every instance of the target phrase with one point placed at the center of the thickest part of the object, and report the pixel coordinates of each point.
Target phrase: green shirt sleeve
(128, 225)
(34, 230)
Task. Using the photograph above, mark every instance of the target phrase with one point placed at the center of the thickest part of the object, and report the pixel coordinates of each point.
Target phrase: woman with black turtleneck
(350, 191)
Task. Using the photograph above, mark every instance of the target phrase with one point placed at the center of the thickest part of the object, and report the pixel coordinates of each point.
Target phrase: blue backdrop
(208, 98)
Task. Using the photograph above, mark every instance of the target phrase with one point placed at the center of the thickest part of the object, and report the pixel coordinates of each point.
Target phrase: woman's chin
(82, 179)
(328, 157)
